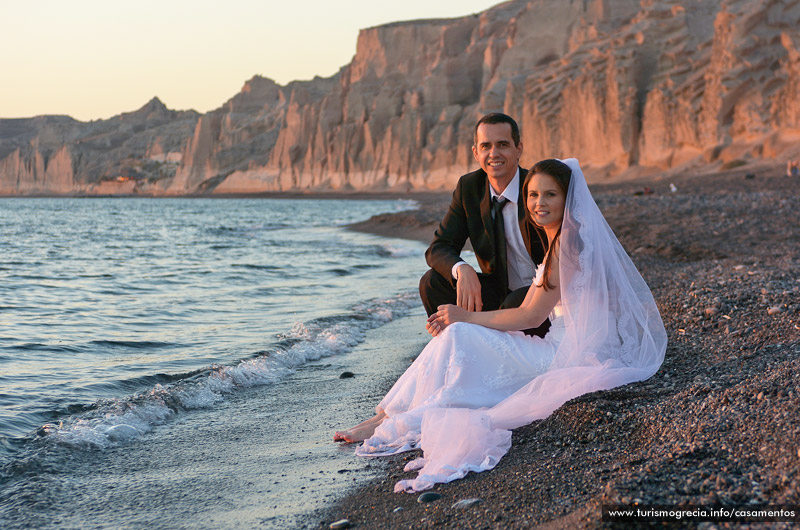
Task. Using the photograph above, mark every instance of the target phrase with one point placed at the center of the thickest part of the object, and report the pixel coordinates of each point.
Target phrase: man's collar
(512, 190)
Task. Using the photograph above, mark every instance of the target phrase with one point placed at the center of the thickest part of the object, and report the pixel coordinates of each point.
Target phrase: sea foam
(116, 421)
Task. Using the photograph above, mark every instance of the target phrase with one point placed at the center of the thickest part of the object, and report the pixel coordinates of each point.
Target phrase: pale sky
(93, 59)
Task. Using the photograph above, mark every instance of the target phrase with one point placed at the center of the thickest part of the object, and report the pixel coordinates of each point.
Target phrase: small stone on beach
(774, 310)
(346, 375)
(341, 523)
(429, 496)
(466, 503)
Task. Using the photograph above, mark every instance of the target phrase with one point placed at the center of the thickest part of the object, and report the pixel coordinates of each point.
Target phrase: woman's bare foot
(360, 432)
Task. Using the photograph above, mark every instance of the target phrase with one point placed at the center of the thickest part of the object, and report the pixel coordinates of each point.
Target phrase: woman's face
(545, 201)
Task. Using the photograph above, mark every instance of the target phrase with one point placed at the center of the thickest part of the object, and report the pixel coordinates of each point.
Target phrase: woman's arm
(533, 311)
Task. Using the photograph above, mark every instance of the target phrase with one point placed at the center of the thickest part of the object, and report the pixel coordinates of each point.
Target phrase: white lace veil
(614, 335)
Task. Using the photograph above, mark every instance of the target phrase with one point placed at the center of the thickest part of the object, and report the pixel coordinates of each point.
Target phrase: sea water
(122, 319)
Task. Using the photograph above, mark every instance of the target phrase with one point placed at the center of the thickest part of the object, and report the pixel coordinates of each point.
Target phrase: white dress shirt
(520, 264)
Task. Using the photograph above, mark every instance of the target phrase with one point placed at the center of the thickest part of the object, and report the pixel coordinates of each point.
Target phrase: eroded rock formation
(131, 152)
(626, 85)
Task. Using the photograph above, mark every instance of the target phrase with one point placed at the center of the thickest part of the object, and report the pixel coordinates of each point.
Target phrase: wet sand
(720, 421)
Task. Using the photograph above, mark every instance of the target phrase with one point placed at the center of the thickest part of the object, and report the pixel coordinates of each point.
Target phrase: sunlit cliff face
(622, 84)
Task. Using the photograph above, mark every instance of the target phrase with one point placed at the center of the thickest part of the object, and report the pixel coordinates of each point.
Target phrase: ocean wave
(116, 421)
(38, 346)
(135, 344)
(257, 266)
(248, 230)
(402, 251)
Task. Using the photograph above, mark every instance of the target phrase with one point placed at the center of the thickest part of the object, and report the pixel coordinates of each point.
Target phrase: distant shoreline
(758, 167)
(356, 195)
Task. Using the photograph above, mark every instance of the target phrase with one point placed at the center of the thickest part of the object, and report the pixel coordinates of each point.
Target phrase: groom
(488, 207)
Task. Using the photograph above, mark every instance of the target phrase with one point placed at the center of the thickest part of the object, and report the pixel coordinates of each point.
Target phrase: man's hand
(468, 289)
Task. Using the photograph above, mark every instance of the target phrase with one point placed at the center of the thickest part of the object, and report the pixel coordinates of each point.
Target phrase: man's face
(496, 153)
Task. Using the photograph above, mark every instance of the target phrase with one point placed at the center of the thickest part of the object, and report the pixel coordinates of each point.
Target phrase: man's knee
(430, 281)
(435, 290)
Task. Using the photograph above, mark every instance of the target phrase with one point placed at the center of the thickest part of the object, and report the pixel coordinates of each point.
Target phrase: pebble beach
(718, 424)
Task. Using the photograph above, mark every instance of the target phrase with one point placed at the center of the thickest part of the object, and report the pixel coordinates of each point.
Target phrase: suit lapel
(486, 213)
(522, 212)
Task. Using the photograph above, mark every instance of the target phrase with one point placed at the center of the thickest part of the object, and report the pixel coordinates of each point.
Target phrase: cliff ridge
(627, 86)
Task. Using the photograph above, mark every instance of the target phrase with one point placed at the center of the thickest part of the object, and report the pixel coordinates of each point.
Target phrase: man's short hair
(498, 117)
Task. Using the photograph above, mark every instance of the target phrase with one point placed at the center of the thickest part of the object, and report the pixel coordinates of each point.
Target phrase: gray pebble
(466, 503)
(341, 523)
(346, 375)
(398, 509)
(429, 496)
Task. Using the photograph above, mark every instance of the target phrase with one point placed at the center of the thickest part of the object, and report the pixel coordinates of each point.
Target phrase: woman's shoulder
(537, 274)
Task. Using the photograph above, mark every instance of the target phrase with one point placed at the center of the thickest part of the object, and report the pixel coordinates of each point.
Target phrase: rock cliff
(59, 155)
(628, 86)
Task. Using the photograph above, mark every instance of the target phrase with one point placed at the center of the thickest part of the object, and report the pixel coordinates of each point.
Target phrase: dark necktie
(500, 239)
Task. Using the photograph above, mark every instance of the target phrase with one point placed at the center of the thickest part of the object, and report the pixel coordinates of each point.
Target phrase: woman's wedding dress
(471, 385)
(466, 366)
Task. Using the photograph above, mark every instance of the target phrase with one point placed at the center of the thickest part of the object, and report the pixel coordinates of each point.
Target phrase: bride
(479, 377)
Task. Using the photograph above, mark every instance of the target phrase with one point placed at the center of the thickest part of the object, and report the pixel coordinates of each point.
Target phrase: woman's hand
(446, 315)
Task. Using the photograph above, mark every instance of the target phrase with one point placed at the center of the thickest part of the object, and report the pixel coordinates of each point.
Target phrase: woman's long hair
(561, 173)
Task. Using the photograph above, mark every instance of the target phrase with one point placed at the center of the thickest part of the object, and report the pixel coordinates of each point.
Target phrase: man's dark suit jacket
(470, 216)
